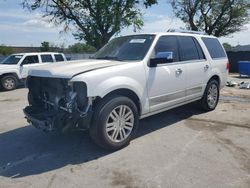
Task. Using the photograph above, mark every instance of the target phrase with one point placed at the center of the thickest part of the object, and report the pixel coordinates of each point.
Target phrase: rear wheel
(8, 82)
(211, 95)
(115, 122)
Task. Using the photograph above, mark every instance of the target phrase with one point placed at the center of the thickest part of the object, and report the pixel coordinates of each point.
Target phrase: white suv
(15, 67)
(130, 78)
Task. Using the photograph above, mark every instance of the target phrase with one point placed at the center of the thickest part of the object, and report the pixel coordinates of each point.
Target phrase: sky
(19, 27)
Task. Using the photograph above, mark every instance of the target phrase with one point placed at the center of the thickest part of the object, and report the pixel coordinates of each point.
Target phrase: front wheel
(9, 82)
(211, 96)
(115, 122)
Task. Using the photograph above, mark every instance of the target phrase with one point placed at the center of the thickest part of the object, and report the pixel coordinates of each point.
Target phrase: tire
(8, 83)
(113, 134)
(211, 96)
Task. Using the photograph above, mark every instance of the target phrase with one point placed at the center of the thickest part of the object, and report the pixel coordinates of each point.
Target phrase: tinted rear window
(214, 47)
(46, 58)
(59, 57)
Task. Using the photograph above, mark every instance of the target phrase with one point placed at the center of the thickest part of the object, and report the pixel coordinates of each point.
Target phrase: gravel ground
(179, 148)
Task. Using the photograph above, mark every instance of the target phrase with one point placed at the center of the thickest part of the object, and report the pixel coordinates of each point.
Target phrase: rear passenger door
(28, 62)
(196, 66)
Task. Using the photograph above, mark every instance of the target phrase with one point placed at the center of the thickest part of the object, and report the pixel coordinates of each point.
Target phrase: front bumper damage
(56, 106)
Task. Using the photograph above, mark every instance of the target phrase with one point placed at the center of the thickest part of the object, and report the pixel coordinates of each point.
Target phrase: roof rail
(187, 31)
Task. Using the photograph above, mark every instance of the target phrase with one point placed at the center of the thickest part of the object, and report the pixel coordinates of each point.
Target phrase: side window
(59, 57)
(46, 58)
(30, 60)
(200, 51)
(214, 47)
(168, 44)
(188, 48)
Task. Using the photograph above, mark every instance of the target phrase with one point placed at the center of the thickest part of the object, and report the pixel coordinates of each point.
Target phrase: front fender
(12, 71)
(104, 81)
(106, 86)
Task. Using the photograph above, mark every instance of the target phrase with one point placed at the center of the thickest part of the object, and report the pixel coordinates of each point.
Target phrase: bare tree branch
(215, 17)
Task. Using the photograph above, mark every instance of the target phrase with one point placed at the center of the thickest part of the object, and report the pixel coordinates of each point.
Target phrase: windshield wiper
(109, 58)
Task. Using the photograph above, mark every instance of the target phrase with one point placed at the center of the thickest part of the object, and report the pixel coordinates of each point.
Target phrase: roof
(36, 53)
(175, 33)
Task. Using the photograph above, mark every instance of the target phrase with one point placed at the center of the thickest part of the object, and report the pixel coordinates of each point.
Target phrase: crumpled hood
(69, 69)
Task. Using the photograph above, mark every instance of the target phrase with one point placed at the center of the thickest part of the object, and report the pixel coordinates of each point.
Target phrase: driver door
(166, 81)
(28, 62)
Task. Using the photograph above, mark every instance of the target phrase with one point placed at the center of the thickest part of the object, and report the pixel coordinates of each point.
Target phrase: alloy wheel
(9, 83)
(120, 123)
(212, 96)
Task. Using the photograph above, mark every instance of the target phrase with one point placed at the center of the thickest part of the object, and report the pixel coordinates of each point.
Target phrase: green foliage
(95, 21)
(81, 48)
(45, 46)
(149, 3)
(4, 50)
(227, 46)
(215, 17)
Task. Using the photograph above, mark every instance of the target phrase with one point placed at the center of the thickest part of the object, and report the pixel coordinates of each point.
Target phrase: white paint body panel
(122, 76)
(163, 80)
(197, 77)
(70, 68)
(5, 69)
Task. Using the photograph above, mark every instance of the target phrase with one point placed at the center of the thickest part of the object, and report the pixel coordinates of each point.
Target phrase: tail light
(228, 66)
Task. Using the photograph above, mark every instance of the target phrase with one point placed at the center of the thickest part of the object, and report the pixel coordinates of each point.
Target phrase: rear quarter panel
(218, 66)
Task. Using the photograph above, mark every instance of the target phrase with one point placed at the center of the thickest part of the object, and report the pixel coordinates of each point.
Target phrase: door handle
(178, 71)
(206, 67)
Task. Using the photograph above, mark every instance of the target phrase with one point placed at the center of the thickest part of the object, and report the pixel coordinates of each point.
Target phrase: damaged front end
(55, 104)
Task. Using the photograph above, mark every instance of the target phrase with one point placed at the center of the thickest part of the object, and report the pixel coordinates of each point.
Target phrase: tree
(81, 48)
(215, 17)
(227, 46)
(4, 50)
(149, 3)
(95, 21)
(45, 46)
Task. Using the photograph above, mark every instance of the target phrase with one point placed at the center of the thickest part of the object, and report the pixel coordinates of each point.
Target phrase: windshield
(12, 60)
(128, 48)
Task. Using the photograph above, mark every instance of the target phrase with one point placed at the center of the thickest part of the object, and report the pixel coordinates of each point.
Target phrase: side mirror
(162, 58)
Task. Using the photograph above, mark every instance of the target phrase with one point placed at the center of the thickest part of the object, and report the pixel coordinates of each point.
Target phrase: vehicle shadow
(21, 86)
(27, 151)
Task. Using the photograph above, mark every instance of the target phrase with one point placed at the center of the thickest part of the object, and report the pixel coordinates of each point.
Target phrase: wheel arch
(123, 92)
(14, 76)
(215, 77)
(10, 74)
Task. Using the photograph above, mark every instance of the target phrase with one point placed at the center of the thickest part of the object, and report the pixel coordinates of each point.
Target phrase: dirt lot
(179, 148)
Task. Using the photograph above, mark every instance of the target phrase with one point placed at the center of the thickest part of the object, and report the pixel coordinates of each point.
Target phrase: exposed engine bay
(57, 104)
